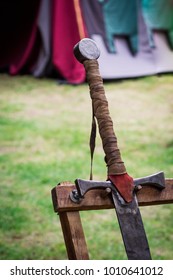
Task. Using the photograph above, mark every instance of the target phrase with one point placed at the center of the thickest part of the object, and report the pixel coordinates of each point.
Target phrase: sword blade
(132, 228)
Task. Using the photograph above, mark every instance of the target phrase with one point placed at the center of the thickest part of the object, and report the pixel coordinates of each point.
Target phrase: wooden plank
(94, 199)
(153, 196)
(74, 236)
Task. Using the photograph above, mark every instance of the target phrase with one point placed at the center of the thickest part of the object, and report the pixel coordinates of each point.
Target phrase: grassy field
(44, 135)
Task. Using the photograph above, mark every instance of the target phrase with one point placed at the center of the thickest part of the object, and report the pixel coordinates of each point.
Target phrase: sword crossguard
(83, 186)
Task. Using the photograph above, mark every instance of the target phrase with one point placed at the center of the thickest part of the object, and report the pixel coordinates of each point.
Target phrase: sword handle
(87, 52)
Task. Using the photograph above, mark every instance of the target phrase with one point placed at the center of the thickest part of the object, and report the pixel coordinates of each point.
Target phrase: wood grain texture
(95, 199)
(74, 236)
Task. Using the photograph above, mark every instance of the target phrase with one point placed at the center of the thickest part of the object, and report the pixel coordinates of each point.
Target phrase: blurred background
(45, 117)
(38, 36)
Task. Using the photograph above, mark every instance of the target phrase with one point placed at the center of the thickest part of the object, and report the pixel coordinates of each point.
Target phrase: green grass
(44, 134)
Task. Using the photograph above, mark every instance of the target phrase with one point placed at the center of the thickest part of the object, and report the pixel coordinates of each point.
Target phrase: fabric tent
(68, 29)
(43, 64)
(159, 16)
(135, 37)
(19, 44)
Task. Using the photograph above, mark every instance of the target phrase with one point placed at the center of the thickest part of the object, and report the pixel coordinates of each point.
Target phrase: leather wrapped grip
(87, 52)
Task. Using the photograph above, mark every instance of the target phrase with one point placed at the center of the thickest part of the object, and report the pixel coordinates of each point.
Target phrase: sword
(121, 185)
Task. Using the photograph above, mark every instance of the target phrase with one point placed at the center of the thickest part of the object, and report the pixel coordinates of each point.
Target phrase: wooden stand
(69, 212)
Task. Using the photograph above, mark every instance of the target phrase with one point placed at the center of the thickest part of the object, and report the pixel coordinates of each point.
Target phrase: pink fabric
(19, 63)
(65, 36)
(28, 45)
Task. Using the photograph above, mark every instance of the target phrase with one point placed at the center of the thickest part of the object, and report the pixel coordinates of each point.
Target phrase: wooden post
(71, 225)
(73, 235)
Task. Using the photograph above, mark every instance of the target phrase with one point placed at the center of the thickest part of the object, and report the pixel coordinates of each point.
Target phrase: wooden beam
(74, 236)
(95, 199)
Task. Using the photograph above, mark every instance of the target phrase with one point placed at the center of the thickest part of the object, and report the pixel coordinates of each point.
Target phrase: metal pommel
(86, 49)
